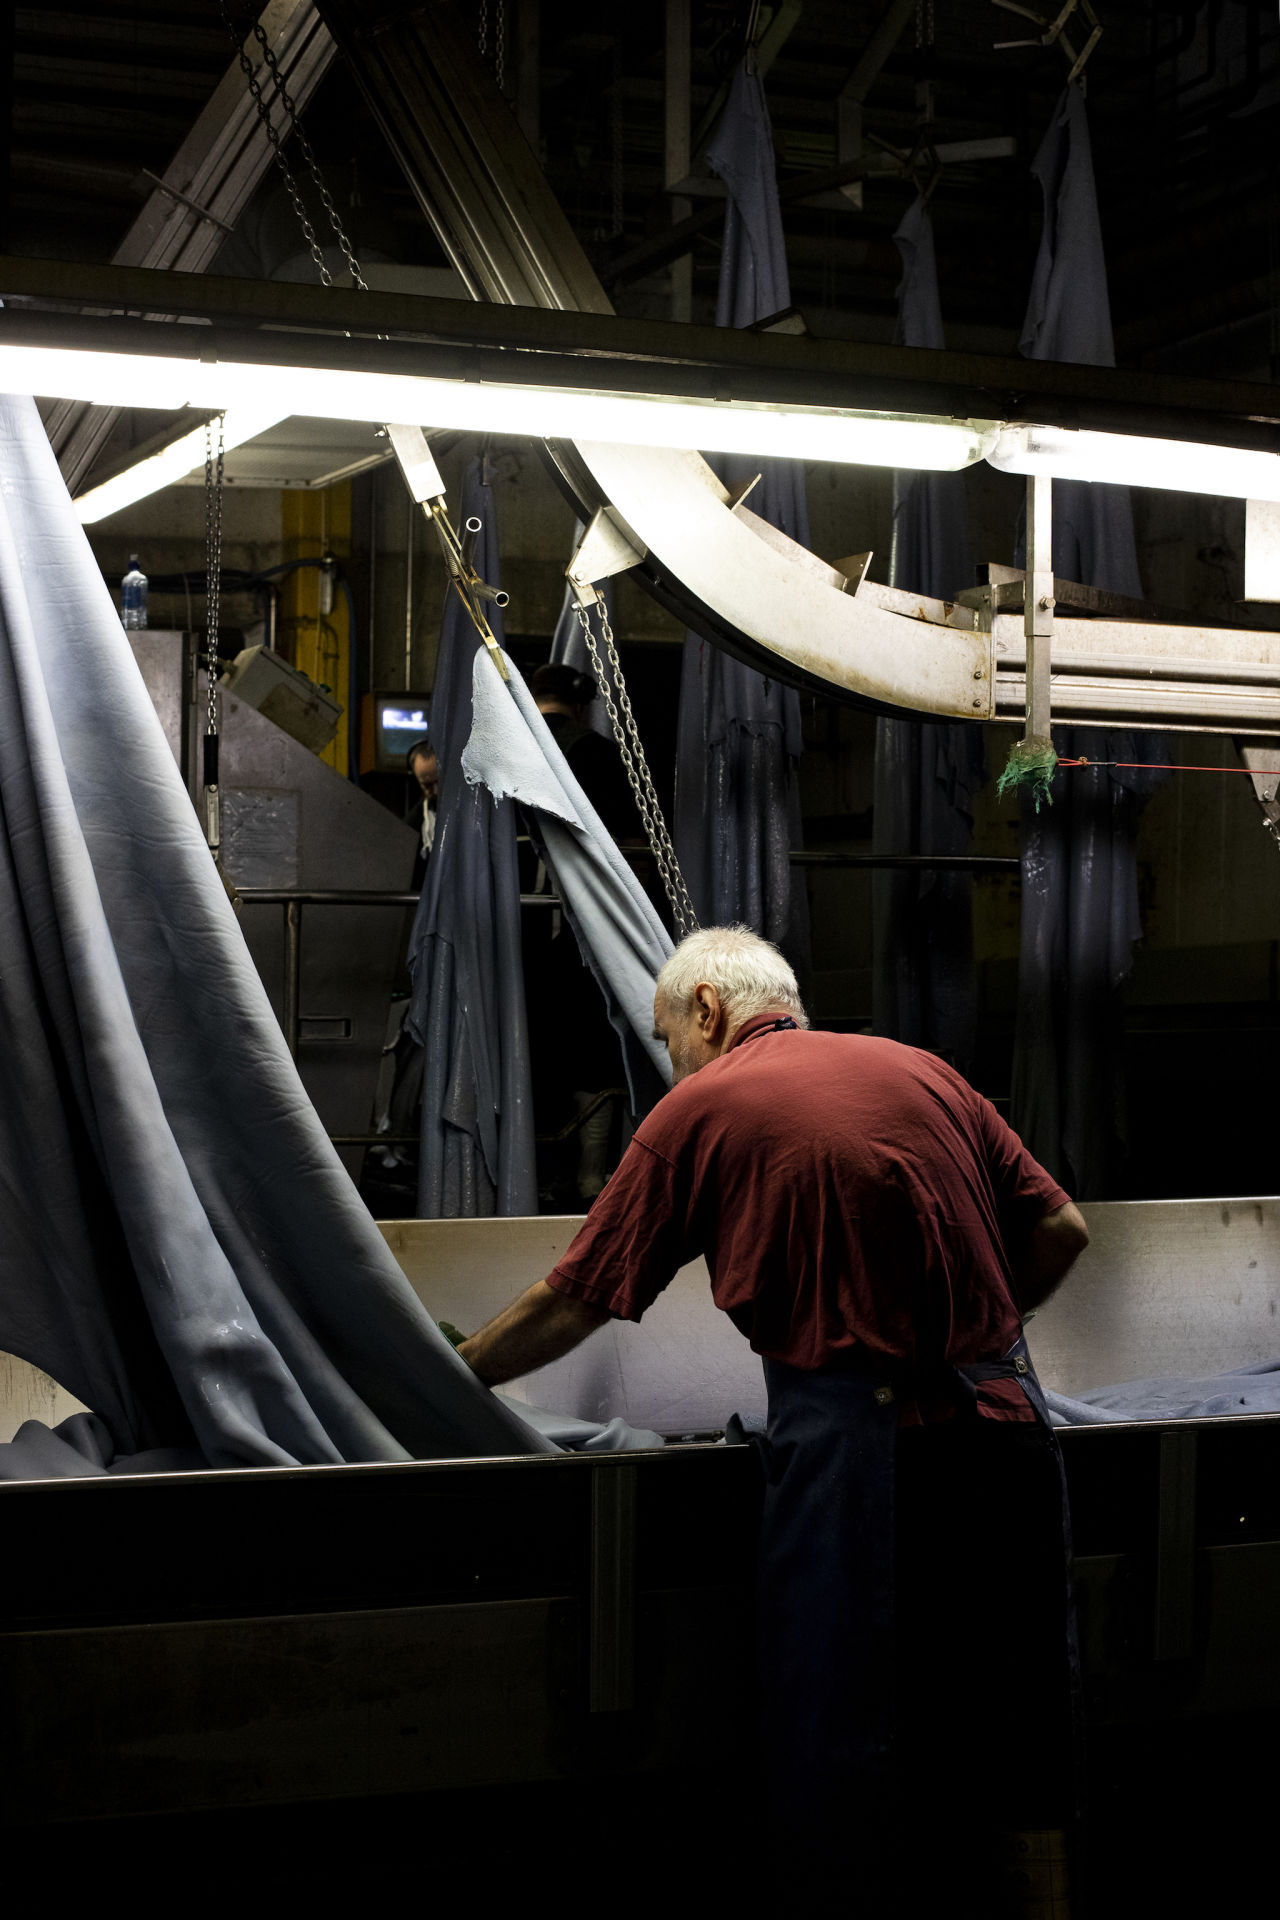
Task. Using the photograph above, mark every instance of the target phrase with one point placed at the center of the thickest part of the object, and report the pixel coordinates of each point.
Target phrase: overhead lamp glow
(169, 465)
(544, 413)
(1181, 466)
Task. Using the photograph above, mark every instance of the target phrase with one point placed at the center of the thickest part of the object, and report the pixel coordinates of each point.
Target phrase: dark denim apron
(844, 1768)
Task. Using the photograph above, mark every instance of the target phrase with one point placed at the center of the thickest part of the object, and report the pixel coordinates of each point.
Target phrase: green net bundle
(1031, 765)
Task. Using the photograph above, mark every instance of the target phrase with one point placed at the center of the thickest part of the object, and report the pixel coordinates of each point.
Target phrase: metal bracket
(742, 492)
(422, 477)
(606, 548)
(1261, 762)
(416, 463)
(184, 200)
(1053, 29)
(1262, 550)
(854, 568)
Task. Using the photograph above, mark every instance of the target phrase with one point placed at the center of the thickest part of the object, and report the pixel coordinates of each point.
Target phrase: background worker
(878, 1233)
(564, 697)
(425, 769)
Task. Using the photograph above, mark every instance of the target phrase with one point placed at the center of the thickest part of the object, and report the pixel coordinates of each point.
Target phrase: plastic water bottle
(133, 596)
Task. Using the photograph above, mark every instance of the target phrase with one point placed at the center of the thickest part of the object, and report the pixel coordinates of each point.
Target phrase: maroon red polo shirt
(852, 1197)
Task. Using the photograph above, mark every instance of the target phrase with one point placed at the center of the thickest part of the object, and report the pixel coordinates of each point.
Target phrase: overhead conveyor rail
(706, 557)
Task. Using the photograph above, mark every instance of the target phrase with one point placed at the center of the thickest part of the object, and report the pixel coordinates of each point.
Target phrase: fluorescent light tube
(544, 413)
(170, 464)
(1181, 466)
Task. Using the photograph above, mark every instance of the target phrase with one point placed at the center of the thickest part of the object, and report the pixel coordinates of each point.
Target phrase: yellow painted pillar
(314, 522)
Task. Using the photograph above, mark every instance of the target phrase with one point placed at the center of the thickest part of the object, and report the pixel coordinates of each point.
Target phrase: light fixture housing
(1130, 460)
(274, 390)
(168, 465)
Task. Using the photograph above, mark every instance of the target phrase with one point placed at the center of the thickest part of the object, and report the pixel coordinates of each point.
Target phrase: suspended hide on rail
(737, 804)
(468, 1004)
(513, 754)
(927, 773)
(1080, 912)
(180, 1246)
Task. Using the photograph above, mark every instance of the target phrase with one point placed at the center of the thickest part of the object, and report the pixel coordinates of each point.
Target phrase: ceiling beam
(203, 191)
(342, 326)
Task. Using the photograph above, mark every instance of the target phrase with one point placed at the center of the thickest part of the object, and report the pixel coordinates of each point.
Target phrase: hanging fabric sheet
(512, 753)
(1080, 912)
(468, 1005)
(180, 1246)
(737, 804)
(923, 984)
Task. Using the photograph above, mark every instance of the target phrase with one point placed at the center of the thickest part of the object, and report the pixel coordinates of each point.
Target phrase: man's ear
(709, 1010)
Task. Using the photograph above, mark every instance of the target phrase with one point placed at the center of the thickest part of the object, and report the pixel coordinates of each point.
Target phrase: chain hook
(213, 465)
(622, 719)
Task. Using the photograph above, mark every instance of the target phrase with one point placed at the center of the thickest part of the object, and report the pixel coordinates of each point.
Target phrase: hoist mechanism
(423, 479)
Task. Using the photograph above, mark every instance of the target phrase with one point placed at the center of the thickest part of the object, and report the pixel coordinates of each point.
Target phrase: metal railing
(293, 900)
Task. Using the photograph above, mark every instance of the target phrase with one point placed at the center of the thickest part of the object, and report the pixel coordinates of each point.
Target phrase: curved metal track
(766, 599)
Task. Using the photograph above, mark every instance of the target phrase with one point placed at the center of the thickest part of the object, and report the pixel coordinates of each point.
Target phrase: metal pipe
(927, 862)
(341, 897)
(292, 972)
(408, 591)
(496, 594)
(471, 531)
(1038, 603)
(373, 578)
(271, 621)
(1150, 667)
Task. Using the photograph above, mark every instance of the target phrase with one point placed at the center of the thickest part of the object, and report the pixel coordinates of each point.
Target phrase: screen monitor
(397, 721)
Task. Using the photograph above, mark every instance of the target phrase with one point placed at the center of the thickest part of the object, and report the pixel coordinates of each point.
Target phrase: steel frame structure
(540, 314)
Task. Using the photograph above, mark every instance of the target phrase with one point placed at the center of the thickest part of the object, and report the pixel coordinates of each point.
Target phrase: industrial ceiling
(1182, 104)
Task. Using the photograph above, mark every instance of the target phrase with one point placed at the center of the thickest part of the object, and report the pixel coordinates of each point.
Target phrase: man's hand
(1054, 1245)
(534, 1330)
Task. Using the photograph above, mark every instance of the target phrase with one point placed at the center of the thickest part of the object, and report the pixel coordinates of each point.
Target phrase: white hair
(748, 973)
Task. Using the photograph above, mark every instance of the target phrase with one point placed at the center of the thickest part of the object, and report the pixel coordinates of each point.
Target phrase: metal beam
(462, 152)
(202, 193)
(877, 50)
(730, 363)
(1037, 611)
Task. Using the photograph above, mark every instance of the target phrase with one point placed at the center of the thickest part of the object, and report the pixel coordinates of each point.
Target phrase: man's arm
(1052, 1247)
(534, 1330)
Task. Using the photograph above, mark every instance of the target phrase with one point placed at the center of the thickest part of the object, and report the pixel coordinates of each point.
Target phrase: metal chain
(286, 172)
(482, 30)
(213, 461)
(636, 766)
(300, 134)
(500, 48)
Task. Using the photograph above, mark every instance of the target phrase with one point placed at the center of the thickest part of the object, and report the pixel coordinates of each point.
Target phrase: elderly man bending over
(878, 1233)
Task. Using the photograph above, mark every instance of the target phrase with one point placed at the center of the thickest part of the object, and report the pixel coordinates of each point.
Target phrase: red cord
(1165, 766)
